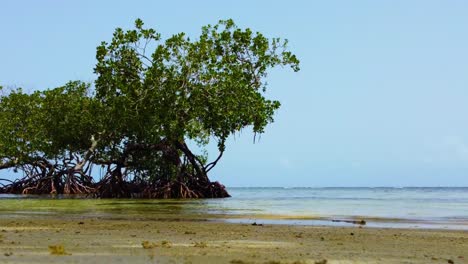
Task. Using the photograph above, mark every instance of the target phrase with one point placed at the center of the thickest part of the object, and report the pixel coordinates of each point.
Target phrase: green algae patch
(201, 244)
(108, 208)
(166, 243)
(149, 245)
(58, 250)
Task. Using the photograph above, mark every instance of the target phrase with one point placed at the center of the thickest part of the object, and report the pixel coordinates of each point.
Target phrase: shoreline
(287, 220)
(454, 224)
(95, 240)
(382, 223)
(416, 208)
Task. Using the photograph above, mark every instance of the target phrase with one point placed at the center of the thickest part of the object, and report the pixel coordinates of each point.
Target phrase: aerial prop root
(189, 190)
(69, 182)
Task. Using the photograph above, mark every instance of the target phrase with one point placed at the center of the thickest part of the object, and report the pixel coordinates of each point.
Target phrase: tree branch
(79, 166)
(211, 165)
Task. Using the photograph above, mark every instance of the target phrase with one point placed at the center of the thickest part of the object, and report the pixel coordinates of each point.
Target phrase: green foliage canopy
(209, 87)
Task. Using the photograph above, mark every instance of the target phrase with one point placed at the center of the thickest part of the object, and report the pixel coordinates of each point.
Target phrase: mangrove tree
(129, 134)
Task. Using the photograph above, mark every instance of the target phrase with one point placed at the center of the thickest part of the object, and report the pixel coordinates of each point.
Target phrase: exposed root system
(171, 178)
(112, 187)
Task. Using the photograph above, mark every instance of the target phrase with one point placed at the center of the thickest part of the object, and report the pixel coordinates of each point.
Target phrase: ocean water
(379, 207)
(383, 207)
(402, 203)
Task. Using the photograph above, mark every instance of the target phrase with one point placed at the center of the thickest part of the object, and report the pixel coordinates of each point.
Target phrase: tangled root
(110, 187)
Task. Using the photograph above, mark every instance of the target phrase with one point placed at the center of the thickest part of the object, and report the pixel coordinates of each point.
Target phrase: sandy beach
(38, 239)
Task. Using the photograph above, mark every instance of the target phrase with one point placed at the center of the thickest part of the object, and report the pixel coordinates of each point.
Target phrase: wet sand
(93, 240)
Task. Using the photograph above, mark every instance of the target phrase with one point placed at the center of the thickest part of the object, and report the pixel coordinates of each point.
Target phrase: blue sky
(381, 99)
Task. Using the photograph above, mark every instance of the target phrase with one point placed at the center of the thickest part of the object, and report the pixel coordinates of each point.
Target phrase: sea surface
(413, 207)
(440, 208)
